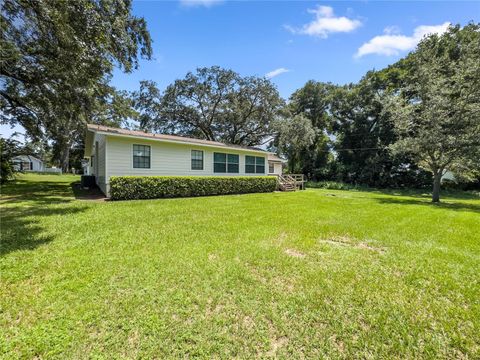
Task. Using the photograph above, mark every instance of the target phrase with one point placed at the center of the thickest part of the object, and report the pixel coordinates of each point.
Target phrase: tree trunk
(65, 160)
(437, 177)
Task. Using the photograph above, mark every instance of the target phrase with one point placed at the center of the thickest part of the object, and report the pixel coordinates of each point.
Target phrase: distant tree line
(402, 126)
(405, 125)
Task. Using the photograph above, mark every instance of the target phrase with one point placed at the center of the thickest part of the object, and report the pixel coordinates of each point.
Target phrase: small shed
(27, 163)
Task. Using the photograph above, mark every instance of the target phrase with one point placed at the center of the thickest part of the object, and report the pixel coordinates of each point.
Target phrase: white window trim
(255, 165)
(273, 167)
(226, 163)
(203, 160)
(151, 158)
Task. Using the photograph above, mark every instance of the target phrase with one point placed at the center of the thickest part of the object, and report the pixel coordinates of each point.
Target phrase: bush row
(151, 187)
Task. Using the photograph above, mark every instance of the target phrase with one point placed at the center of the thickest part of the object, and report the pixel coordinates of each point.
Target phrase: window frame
(272, 164)
(227, 163)
(233, 163)
(247, 164)
(216, 162)
(133, 162)
(255, 164)
(191, 160)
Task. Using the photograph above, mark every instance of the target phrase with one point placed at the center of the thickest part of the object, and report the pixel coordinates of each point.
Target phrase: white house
(120, 152)
(27, 163)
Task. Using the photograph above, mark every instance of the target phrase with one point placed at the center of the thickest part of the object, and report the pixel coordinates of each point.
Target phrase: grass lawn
(315, 274)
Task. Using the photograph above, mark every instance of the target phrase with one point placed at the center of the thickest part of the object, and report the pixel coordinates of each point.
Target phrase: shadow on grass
(456, 206)
(450, 200)
(87, 194)
(22, 230)
(427, 195)
(23, 206)
(36, 192)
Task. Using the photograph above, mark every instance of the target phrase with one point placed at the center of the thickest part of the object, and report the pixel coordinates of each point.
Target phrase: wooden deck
(291, 182)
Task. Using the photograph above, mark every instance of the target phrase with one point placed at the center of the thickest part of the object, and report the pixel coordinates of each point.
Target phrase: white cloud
(392, 43)
(325, 23)
(197, 3)
(392, 30)
(276, 72)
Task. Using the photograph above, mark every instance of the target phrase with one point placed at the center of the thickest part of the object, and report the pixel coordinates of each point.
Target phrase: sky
(290, 42)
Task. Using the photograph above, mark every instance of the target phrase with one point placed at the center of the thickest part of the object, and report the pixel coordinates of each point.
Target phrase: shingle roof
(29, 157)
(273, 157)
(175, 138)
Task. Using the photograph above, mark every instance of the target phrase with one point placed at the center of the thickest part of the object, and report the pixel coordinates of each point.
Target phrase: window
(254, 164)
(271, 168)
(197, 160)
(219, 162)
(225, 163)
(260, 165)
(232, 166)
(141, 156)
(250, 164)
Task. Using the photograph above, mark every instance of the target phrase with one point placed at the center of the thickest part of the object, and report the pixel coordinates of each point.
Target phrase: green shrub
(151, 187)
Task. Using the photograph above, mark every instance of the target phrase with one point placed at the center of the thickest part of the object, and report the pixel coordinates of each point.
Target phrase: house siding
(101, 177)
(167, 159)
(277, 168)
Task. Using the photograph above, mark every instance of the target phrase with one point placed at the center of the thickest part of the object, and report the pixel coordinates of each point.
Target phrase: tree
(213, 104)
(58, 57)
(313, 102)
(364, 132)
(9, 148)
(147, 101)
(294, 135)
(436, 110)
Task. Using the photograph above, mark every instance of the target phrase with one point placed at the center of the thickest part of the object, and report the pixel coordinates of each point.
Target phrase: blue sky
(335, 41)
(312, 40)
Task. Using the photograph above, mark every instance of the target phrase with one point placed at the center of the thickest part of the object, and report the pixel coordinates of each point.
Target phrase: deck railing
(291, 182)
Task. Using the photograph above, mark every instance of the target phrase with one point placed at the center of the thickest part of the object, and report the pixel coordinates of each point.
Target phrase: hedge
(152, 187)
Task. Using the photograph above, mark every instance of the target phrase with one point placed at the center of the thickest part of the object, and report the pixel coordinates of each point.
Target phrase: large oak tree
(436, 111)
(213, 104)
(57, 60)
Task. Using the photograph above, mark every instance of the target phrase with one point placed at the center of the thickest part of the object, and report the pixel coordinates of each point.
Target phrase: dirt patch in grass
(277, 341)
(343, 240)
(213, 309)
(281, 283)
(280, 239)
(275, 344)
(337, 344)
(366, 246)
(248, 323)
(294, 253)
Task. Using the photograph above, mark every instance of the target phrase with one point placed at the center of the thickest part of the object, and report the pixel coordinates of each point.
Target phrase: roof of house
(172, 138)
(26, 158)
(275, 158)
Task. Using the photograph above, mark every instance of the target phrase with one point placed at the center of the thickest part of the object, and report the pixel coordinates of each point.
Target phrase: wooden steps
(291, 182)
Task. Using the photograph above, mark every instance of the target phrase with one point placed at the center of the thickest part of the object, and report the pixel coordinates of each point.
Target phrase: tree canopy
(213, 104)
(57, 61)
(436, 110)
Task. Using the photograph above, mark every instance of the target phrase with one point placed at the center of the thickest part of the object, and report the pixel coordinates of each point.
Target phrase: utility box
(88, 181)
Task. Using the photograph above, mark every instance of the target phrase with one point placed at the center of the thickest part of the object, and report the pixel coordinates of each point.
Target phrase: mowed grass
(313, 274)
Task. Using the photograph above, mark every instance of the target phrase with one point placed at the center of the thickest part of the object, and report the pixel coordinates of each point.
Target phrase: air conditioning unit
(88, 181)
